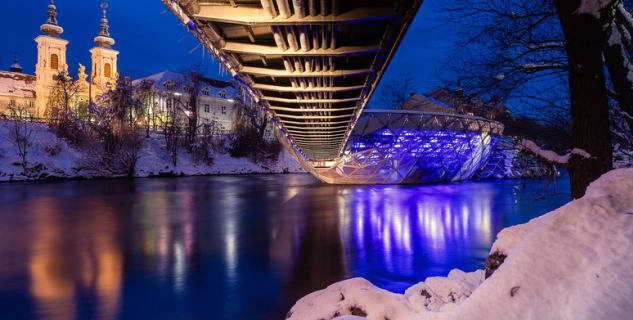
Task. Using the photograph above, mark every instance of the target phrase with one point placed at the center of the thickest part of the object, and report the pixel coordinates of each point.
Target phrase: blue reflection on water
(236, 247)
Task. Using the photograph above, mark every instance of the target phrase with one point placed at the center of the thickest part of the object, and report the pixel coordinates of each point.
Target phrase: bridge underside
(311, 64)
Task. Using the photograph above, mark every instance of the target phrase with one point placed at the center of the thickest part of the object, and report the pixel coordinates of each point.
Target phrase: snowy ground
(49, 157)
(572, 263)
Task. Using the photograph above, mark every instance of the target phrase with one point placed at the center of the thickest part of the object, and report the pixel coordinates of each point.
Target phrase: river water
(237, 247)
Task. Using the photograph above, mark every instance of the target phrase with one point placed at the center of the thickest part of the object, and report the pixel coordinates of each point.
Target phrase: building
(472, 105)
(16, 88)
(453, 101)
(216, 100)
(422, 103)
(33, 92)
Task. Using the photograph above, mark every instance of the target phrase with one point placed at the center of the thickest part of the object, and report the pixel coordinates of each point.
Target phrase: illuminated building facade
(33, 92)
(216, 99)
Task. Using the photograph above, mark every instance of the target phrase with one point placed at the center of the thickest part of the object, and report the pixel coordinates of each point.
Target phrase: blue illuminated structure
(403, 146)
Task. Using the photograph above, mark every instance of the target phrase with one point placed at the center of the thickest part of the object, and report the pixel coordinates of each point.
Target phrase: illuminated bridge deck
(311, 64)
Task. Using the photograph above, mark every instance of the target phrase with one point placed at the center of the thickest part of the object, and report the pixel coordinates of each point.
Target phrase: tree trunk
(589, 107)
(617, 64)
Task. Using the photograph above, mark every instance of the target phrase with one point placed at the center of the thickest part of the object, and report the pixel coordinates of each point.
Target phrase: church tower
(104, 73)
(51, 59)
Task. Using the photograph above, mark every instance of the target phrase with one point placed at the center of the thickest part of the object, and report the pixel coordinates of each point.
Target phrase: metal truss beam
(285, 73)
(307, 89)
(314, 117)
(312, 101)
(273, 51)
(250, 15)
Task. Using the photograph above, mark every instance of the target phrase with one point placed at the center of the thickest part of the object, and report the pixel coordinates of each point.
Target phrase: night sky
(151, 39)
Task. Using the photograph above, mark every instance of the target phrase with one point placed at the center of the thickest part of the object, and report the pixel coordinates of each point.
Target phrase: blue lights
(405, 147)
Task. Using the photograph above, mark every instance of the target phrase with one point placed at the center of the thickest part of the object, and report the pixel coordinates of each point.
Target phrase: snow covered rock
(439, 293)
(357, 297)
(572, 263)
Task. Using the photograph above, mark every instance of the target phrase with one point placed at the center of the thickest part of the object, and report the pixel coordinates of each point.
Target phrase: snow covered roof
(16, 84)
(16, 67)
(423, 103)
(177, 81)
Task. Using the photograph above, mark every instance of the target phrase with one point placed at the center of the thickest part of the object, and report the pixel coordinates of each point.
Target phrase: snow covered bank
(572, 263)
(51, 158)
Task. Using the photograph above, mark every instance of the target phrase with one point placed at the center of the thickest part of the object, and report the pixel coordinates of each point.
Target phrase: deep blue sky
(151, 39)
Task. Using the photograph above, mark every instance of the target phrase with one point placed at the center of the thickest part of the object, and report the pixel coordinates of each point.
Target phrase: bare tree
(248, 137)
(617, 46)
(516, 48)
(510, 48)
(144, 92)
(397, 90)
(172, 132)
(21, 135)
(194, 82)
(63, 98)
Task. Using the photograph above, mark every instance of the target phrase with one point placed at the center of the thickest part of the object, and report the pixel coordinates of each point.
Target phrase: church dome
(16, 67)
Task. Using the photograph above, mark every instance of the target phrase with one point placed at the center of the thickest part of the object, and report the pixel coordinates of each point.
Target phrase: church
(32, 93)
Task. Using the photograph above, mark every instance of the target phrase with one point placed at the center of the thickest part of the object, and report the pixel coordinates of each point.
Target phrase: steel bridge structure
(312, 66)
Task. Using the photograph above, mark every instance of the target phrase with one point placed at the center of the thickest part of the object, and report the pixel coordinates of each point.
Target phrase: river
(237, 247)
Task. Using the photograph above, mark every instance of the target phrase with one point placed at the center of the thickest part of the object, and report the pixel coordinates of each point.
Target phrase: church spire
(104, 40)
(51, 27)
(16, 67)
(104, 21)
(52, 15)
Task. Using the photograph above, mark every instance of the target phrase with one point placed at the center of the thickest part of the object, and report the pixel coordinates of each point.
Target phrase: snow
(572, 263)
(550, 155)
(17, 84)
(592, 7)
(69, 162)
(182, 79)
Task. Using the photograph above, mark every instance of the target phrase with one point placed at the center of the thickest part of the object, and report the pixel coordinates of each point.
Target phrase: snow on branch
(550, 155)
(547, 45)
(532, 66)
(593, 7)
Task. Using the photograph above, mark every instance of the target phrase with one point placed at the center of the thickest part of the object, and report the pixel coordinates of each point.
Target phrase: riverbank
(50, 158)
(571, 263)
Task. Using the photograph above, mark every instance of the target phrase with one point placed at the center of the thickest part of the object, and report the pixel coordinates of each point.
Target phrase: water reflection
(234, 247)
(404, 230)
(60, 268)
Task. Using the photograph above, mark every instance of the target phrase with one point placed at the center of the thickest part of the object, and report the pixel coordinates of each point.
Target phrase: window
(169, 103)
(223, 94)
(223, 109)
(12, 102)
(107, 70)
(54, 62)
(169, 85)
(206, 108)
(206, 91)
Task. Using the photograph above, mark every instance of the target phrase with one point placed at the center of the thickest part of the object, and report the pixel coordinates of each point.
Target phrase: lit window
(54, 62)
(107, 70)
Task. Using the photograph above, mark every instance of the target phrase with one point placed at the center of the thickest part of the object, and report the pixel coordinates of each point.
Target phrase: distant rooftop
(177, 81)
